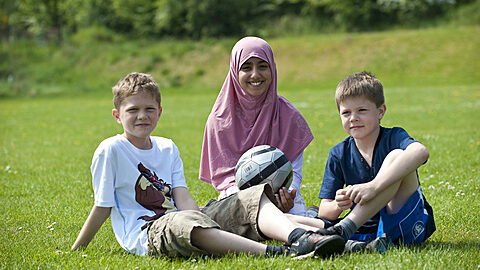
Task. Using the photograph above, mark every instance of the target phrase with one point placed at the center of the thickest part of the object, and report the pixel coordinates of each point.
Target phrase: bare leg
(393, 197)
(274, 223)
(306, 222)
(219, 242)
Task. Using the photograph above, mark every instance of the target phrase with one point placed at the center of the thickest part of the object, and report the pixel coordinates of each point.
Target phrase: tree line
(195, 19)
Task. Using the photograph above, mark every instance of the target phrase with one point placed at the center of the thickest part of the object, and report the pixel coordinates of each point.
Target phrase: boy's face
(139, 115)
(361, 117)
(255, 76)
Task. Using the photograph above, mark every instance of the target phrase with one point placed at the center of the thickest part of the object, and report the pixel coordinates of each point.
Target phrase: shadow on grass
(458, 245)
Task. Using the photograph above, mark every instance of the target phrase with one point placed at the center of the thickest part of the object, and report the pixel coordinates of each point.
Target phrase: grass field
(47, 143)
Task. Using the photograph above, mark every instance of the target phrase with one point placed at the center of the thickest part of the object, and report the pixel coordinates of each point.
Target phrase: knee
(393, 155)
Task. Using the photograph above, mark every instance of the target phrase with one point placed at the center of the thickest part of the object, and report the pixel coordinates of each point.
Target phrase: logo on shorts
(418, 229)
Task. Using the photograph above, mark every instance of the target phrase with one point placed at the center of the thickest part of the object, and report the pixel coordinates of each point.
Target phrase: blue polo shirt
(346, 166)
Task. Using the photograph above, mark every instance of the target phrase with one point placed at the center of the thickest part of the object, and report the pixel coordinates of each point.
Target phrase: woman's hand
(285, 199)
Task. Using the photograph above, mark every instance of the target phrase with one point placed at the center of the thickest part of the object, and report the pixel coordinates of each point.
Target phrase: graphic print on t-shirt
(153, 194)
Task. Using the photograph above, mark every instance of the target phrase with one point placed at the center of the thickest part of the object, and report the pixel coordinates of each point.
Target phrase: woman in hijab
(248, 112)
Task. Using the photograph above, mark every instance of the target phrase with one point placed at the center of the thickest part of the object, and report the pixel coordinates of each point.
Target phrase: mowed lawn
(46, 146)
(46, 194)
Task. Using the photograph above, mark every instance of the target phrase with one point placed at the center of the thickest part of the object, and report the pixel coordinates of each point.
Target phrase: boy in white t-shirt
(138, 180)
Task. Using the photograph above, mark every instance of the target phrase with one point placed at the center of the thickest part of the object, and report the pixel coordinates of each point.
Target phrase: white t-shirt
(137, 185)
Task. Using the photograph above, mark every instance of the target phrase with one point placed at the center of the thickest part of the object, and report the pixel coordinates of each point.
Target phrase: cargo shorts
(170, 235)
(238, 213)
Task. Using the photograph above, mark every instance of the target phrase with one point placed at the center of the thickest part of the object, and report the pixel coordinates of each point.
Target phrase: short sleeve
(178, 178)
(103, 177)
(401, 139)
(333, 179)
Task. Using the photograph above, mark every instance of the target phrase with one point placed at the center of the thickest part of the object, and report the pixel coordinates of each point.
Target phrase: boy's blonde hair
(362, 84)
(133, 84)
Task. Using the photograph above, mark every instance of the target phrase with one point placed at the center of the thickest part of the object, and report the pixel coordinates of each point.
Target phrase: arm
(333, 203)
(183, 200)
(403, 163)
(95, 220)
(284, 198)
(407, 161)
(328, 209)
(331, 209)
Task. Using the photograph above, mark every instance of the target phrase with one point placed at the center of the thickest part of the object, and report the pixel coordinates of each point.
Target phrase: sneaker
(380, 244)
(312, 244)
(333, 230)
(354, 246)
(273, 251)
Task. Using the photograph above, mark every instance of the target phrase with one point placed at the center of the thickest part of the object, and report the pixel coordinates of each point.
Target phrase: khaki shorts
(170, 235)
(238, 213)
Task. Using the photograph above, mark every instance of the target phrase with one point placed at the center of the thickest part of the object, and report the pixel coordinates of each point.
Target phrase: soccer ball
(261, 164)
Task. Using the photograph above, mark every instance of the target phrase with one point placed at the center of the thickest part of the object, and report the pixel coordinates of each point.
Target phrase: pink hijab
(239, 121)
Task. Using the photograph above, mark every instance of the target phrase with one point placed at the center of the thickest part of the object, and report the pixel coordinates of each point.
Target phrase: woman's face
(255, 76)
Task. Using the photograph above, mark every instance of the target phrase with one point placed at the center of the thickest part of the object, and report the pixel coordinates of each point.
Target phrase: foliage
(52, 20)
(468, 14)
(137, 15)
(195, 19)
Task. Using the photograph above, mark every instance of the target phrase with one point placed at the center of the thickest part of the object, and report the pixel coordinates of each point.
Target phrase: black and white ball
(262, 164)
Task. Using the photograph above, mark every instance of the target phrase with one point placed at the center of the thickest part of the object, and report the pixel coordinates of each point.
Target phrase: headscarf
(239, 121)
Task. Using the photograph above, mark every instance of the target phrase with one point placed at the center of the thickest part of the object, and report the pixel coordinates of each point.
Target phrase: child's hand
(342, 200)
(360, 193)
(285, 200)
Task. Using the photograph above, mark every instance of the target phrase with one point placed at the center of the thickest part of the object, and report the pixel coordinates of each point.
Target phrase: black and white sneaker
(273, 251)
(380, 244)
(354, 246)
(312, 244)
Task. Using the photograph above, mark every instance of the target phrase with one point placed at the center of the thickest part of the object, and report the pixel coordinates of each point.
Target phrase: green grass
(47, 143)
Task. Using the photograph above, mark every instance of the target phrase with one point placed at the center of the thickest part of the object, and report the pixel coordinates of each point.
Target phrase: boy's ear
(116, 115)
(160, 112)
(381, 111)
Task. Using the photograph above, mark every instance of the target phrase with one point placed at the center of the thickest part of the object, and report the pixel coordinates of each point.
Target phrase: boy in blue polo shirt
(374, 173)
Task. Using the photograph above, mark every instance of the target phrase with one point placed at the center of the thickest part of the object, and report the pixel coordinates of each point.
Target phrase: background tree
(194, 19)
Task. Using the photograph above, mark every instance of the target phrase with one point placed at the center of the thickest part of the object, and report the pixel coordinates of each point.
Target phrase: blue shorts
(413, 224)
